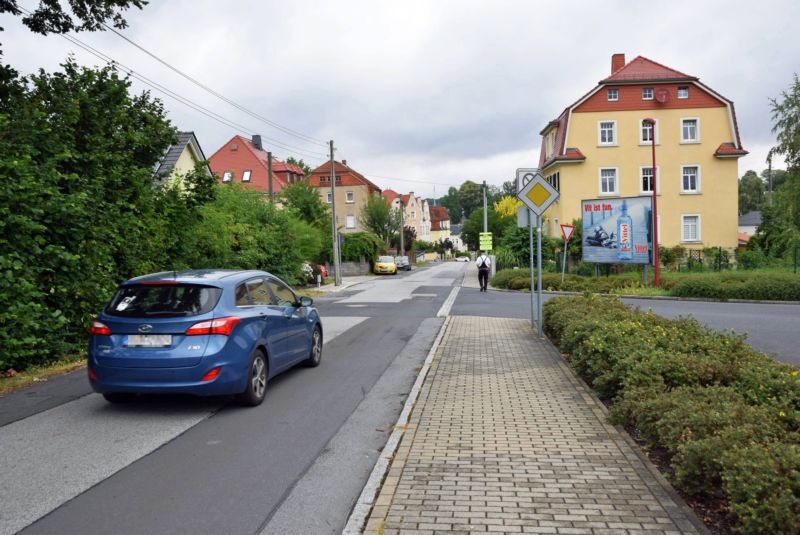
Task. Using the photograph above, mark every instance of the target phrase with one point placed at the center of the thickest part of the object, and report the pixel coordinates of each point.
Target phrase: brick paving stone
(504, 439)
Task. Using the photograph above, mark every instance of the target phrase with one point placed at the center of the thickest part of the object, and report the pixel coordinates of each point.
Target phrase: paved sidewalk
(505, 439)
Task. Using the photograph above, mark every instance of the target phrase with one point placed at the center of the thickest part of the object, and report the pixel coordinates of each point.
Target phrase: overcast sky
(431, 92)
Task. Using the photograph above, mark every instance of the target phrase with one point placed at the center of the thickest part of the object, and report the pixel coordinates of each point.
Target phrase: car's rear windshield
(163, 300)
(383, 259)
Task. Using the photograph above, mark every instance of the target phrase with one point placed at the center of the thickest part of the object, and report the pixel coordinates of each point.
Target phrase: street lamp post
(656, 278)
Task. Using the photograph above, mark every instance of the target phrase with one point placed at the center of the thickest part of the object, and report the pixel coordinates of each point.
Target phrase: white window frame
(685, 141)
(613, 91)
(641, 131)
(330, 198)
(684, 239)
(678, 91)
(227, 176)
(652, 93)
(613, 143)
(350, 197)
(690, 191)
(642, 191)
(412, 215)
(246, 176)
(350, 218)
(600, 181)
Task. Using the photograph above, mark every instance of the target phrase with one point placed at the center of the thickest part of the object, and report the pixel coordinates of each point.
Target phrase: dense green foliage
(82, 209)
(362, 245)
(378, 217)
(727, 416)
(751, 192)
(726, 285)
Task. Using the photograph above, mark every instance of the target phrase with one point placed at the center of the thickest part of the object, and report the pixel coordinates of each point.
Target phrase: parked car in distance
(384, 265)
(201, 332)
(402, 263)
(462, 259)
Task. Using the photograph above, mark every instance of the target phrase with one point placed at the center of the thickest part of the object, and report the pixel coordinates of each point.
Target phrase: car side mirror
(306, 301)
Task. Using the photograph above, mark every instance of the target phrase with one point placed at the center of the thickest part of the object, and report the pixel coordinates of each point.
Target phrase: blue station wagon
(202, 332)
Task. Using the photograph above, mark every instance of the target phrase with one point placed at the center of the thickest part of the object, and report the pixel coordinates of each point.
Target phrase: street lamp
(656, 278)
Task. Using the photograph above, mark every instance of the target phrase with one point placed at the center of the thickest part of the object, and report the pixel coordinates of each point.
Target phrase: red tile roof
(340, 168)
(729, 150)
(439, 213)
(641, 69)
(390, 195)
(743, 237)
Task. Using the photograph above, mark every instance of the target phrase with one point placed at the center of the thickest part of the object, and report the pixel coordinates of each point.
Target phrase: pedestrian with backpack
(484, 264)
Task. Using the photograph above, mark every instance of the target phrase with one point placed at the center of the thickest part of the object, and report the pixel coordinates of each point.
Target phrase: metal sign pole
(539, 273)
(530, 248)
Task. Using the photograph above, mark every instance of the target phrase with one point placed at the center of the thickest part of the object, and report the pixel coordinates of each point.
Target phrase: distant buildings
(600, 146)
(181, 158)
(352, 191)
(245, 161)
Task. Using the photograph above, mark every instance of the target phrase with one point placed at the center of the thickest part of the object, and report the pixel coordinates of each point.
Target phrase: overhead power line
(222, 97)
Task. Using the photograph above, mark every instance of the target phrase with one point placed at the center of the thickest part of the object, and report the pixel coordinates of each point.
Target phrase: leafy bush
(360, 245)
(727, 416)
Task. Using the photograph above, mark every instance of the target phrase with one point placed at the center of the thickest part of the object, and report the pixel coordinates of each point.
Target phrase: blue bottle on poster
(624, 234)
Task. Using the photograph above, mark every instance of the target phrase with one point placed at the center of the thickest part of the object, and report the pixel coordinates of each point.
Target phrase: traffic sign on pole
(566, 231)
(485, 241)
(538, 194)
(524, 176)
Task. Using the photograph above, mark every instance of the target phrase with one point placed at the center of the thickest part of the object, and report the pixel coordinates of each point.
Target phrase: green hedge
(730, 285)
(728, 416)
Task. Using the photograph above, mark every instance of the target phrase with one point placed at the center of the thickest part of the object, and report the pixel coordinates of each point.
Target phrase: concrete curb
(363, 506)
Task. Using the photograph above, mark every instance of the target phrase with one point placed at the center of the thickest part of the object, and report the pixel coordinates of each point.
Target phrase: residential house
(455, 237)
(352, 191)
(600, 146)
(440, 223)
(245, 161)
(748, 224)
(181, 158)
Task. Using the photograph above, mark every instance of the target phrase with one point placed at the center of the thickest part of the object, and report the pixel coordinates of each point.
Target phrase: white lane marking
(448, 303)
(55, 455)
(356, 306)
(424, 295)
(333, 326)
(394, 290)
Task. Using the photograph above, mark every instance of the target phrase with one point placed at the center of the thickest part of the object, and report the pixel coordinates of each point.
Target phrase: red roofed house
(352, 191)
(599, 147)
(440, 223)
(244, 161)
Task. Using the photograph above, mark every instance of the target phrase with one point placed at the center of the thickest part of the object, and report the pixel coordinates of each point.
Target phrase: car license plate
(149, 340)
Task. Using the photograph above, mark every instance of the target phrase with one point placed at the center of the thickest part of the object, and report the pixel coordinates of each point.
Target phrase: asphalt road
(72, 463)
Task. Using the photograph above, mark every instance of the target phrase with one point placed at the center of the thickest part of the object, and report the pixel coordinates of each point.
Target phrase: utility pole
(269, 174)
(485, 220)
(769, 177)
(337, 275)
(402, 228)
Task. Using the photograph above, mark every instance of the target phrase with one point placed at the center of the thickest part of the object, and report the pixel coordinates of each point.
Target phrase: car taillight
(92, 374)
(98, 327)
(222, 326)
(212, 374)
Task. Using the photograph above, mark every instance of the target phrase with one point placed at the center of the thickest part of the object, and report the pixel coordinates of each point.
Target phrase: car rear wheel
(315, 357)
(119, 397)
(256, 387)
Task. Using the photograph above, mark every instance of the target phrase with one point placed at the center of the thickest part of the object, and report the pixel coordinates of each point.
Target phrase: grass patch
(11, 381)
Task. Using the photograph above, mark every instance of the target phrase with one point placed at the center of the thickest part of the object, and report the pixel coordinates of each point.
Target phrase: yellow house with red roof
(600, 147)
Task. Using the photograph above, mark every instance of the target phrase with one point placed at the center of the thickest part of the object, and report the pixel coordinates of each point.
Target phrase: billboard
(617, 231)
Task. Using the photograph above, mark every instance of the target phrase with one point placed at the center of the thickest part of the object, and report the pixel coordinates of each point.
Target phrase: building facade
(352, 192)
(181, 158)
(600, 147)
(245, 161)
(440, 223)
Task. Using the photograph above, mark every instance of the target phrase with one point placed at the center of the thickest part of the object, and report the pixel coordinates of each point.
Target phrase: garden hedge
(727, 416)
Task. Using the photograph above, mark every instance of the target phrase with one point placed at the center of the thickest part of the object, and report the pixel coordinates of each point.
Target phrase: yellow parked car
(385, 264)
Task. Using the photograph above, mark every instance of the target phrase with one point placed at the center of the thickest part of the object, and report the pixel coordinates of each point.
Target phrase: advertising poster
(617, 231)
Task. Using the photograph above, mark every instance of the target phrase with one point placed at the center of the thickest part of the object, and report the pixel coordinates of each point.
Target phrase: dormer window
(613, 95)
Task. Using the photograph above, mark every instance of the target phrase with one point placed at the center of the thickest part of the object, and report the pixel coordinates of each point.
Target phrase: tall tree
(510, 188)
(301, 164)
(453, 205)
(470, 196)
(786, 118)
(379, 218)
(751, 192)
(304, 200)
(82, 16)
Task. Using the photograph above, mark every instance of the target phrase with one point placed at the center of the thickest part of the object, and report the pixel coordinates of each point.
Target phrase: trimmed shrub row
(727, 416)
(757, 286)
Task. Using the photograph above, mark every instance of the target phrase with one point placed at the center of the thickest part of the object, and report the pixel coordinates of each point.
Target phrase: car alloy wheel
(256, 381)
(315, 357)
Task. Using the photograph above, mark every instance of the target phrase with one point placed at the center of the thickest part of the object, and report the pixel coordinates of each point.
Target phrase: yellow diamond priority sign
(538, 194)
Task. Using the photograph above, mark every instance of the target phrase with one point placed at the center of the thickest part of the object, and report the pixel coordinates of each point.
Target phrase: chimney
(257, 142)
(344, 162)
(617, 62)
